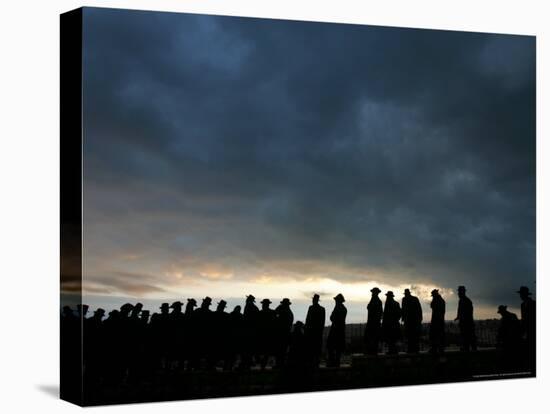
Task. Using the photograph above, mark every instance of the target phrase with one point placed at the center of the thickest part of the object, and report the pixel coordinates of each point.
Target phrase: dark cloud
(247, 142)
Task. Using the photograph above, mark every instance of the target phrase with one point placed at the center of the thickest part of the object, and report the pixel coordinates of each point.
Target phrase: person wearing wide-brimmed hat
(509, 331)
(284, 321)
(336, 341)
(249, 341)
(412, 321)
(391, 328)
(313, 330)
(528, 322)
(267, 332)
(465, 318)
(437, 323)
(373, 328)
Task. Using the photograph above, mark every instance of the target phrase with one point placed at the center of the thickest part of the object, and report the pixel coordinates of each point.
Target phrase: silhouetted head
(221, 305)
(389, 295)
(236, 309)
(315, 299)
(298, 326)
(164, 308)
(206, 302)
(126, 308)
(339, 298)
(286, 302)
(250, 299)
(502, 309)
(99, 313)
(144, 315)
(82, 310)
(114, 314)
(435, 292)
(191, 302)
(67, 311)
(265, 303)
(177, 305)
(375, 291)
(461, 291)
(407, 293)
(524, 292)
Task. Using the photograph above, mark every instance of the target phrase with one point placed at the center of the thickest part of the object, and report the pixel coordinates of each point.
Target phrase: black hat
(191, 300)
(435, 292)
(265, 301)
(164, 306)
(286, 301)
(461, 288)
(316, 296)
(138, 305)
(390, 293)
(407, 290)
(176, 304)
(524, 290)
(207, 299)
(222, 302)
(339, 298)
(127, 306)
(502, 309)
(79, 306)
(375, 290)
(250, 298)
(99, 311)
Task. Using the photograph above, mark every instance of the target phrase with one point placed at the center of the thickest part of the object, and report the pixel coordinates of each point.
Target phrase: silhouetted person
(203, 331)
(412, 320)
(190, 344)
(336, 341)
(221, 333)
(236, 334)
(509, 331)
(92, 347)
(437, 324)
(465, 318)
(284, 321)
(176, 334)
(297, 351)
(314, 327)
(267, 332)
(160, 331)
(390, 323)
(82, 310)
(373, 328)
(528, 322)
(250, 329)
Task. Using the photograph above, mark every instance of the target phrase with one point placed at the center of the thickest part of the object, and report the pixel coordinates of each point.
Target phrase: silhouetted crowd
(132, 343)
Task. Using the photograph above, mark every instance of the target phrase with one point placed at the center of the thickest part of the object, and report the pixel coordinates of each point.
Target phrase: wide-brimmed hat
(176, 304)
(435, 292)
(286, 301)
(375, 290)
(339, 298)
(250, 298)
(222, 303)
(207, 299)
(407, 290)
(390, 293)
(316, 296)
(265, 301)
(192, 300)
(164, 306)
(127, 306)
(99, 311)
(501, 309)
(524, 290)
(461, 288)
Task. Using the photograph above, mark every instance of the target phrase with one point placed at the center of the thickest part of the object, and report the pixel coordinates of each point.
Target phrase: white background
(29, 206)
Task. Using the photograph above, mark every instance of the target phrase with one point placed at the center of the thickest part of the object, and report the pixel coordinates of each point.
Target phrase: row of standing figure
(199, 337)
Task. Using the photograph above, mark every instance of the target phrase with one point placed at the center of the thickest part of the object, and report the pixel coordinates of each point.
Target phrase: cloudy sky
(226, 156)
